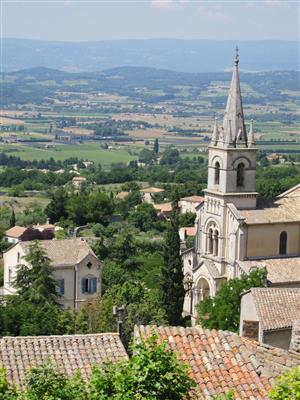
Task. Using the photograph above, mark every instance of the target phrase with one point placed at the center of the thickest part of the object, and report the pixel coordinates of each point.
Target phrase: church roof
(221, 361)
(233, 123)
(286, 208)
(277, 307)
(280, 270)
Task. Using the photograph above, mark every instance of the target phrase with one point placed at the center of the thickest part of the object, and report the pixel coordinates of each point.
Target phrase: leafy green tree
(50, 383)
(287, 387)
(35, 282)
(99, 208)
(146, 156)
(187, 219)
(77, 209)
(56, 209)
(170, 156)
(142, 306)
(153, 373)
(143, 217)
(223, 310)
(7, 392)
(172, 274)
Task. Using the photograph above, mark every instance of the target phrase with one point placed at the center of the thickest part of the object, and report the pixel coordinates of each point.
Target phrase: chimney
(295, 338)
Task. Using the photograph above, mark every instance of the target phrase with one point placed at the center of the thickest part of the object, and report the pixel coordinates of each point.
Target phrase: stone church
(233, 235)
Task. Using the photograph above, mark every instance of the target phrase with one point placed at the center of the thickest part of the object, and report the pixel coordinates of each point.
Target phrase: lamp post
(118, 312)
(189, 288)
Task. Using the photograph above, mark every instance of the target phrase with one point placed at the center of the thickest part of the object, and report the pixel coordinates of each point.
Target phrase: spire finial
(237, 59)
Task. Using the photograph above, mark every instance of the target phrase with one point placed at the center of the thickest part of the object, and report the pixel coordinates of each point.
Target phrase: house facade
(233, 235)
(75, 267)
(268, 315)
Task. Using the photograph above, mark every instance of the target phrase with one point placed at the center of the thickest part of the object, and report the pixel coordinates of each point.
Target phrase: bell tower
(232, 153)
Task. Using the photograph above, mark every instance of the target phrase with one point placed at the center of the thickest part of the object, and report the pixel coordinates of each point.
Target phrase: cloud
(213, 14)
(169, 4)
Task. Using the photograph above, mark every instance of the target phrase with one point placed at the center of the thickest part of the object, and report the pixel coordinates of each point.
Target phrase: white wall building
(75, 267)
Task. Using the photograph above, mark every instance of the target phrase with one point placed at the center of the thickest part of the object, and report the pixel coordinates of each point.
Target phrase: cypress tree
(12, 221)
(155, 147)
(172, 274)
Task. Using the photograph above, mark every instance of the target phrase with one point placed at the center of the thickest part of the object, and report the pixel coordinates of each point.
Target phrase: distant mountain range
(172, 54)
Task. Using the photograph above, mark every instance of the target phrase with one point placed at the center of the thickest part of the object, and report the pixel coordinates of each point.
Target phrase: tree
(172, 274)
(12, 221)
(155, 147)
(287, 387)
(56, 209)
(142, 306)
(146, 156)
(100, 208)
(50, 383)
(223, 310)
(170, 156)
(152, 373)
(143, 217)
(35, 282)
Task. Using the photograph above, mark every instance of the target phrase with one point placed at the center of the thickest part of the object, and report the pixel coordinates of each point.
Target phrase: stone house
(189, 204)
(268, 314)
(148, 194)
(75, 267)
(36, 232)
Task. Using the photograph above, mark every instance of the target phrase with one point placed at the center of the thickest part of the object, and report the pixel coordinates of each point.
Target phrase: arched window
(217, 173)
(283, 243)
(210, 241)
(240, 175)
(216, 243)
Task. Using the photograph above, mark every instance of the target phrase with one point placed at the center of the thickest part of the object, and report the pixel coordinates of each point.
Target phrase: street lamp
(118, 312)
(189, 288)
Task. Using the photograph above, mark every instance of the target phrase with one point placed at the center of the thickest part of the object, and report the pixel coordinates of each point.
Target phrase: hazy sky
(74, 20)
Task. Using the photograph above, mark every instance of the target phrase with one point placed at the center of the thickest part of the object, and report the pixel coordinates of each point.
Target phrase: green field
(89, 151)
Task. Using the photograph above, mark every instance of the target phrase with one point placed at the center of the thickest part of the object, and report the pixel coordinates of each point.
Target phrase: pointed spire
(215, 134)
(234, 111)
(251, 141)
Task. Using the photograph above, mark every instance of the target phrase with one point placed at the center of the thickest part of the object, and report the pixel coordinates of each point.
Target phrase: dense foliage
(152, 373)
(223, 310)
(287, 387)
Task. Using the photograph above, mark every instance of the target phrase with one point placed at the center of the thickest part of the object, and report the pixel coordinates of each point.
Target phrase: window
(216, 243)
(217, 173)
(9, 274)
(240, 175)
(61, 286)
(89, 265)
(283, 243)
(210, 241)
(89, 285)
(18, 258)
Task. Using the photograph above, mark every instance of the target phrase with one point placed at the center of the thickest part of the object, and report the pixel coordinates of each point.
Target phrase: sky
(87, 20)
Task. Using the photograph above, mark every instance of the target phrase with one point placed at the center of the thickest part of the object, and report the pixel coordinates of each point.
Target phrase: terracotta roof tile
(193, 199)
(280, 270)
(221, 361)
(16, 231)
(65, 251)
(152, 190)
(70, 353)
(277, 307)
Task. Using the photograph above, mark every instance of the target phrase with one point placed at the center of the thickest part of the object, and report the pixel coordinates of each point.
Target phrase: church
(234, 235)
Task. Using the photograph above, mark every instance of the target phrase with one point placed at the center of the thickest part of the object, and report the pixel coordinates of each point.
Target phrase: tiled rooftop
(16, 231)
(286, 208)
(70, 353)
(193, 199)
(152, 190)
(277, 307)
(295, 339)
(280, 270)
(163, 207)
(220, 361)
(65, 251)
